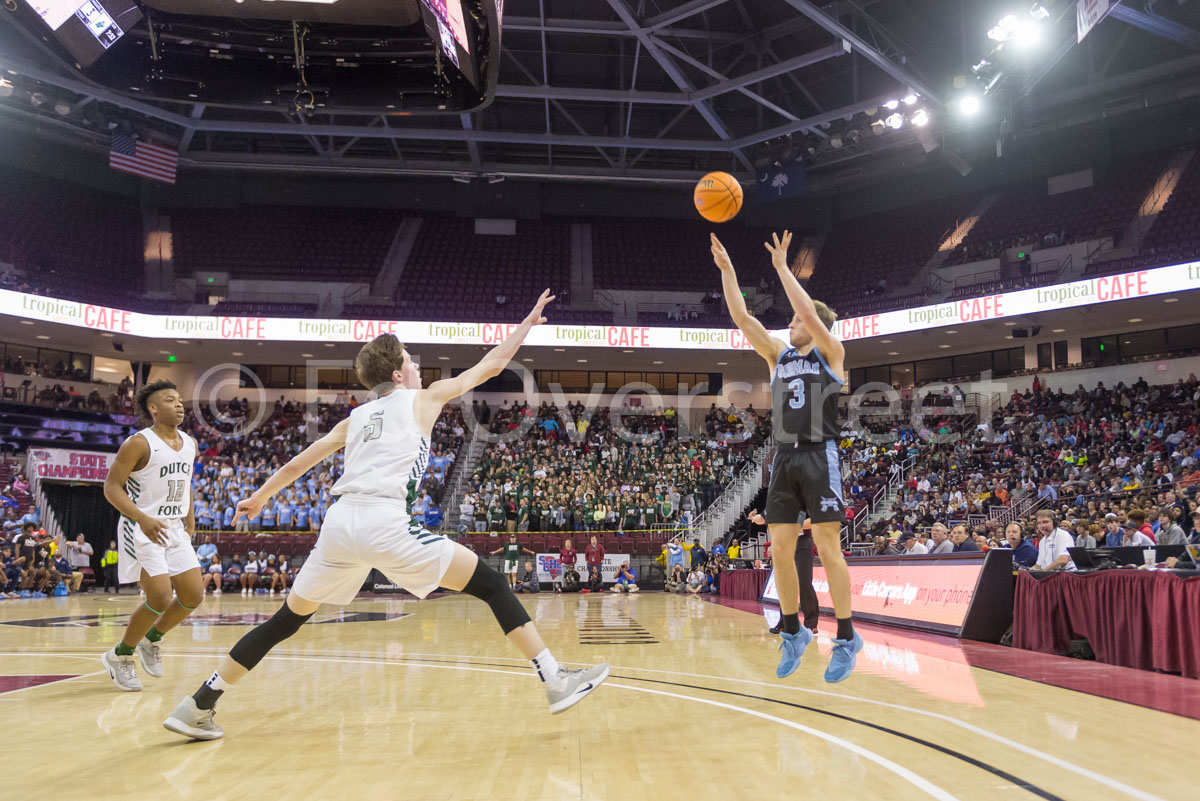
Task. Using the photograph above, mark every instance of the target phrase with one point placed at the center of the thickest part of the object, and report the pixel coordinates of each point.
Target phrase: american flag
(155, 162)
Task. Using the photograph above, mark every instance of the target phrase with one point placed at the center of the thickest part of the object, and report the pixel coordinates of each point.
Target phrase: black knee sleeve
(250, 650)
(489, 586)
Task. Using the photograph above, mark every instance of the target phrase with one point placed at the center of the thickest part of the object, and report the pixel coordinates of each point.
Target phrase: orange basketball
(718, 197)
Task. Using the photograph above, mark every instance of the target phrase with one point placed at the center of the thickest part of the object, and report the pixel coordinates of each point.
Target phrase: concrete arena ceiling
(663, 89)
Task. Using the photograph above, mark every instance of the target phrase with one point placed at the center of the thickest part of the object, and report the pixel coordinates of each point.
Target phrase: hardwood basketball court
(399, 699)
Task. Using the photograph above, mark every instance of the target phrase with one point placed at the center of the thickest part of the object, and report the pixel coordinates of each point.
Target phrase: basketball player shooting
(371, 525)
(806, 380)
(150, 484)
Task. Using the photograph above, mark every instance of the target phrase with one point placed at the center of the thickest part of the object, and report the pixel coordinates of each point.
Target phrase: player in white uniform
(150, 484)
(371, 526)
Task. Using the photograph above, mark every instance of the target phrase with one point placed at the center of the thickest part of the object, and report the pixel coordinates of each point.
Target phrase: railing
(881, 496)
(727, 508)
(274, 297)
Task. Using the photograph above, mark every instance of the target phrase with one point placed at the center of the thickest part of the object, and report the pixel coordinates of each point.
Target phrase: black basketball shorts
(806, 481)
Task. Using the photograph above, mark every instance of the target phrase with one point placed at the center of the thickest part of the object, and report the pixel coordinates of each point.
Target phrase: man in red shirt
(595, 555)
(566, 562)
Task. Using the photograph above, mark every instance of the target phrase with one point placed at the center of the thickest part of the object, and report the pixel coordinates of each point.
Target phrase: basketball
(718, 197)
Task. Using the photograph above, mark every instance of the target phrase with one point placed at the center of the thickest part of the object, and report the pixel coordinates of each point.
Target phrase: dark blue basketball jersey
(804, 398)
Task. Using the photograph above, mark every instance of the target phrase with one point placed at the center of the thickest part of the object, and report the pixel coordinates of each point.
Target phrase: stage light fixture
(895, 122)
(969, 105)
(920, 118)
(1039, 12)
(878, 127)
(6, 87)
(835, 142)
(910, 98)
(892, 105)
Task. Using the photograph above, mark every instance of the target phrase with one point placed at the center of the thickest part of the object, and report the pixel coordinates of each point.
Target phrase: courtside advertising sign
(936, 594)
(1102, 289)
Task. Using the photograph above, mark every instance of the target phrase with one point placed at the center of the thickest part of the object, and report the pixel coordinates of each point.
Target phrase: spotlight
(835, 142)
(969, 105)
(37, 99)
(852, 135)
(891, 105)
(6, 87)
(910, 98)
(981, 66)
(999, 34)
(62, 109)
(1039, 12)
(878, 127)
(895, 122)
(920, 118)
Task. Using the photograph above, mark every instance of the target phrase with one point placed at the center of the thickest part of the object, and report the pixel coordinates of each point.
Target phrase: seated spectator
(676, 579)
(249, 577)
(595, 582)
(1083, 534)
(911, 545)
(212, 575)
(883, 547)
(962, 540)
(697, 582)
(939, 539)
(528, 582)
(12, 575)
(60, 570)
(570, 578)
(1113, 533)
(1134, 538)
(204, 553)
(1169, 532)
(626, 579)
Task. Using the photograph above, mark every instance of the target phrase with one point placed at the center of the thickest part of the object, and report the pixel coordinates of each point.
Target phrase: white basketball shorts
(360, 533)
(135, 552)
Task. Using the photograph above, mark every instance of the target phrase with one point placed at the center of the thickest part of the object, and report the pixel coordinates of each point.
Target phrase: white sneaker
(121, 670)
(151, 660)
(194, 722)
(573, 685)
(216, 592)
(274, 592)
(245, 591)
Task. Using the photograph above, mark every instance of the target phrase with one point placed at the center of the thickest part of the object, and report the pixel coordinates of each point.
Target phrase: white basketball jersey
(386, 453)
(163, 488)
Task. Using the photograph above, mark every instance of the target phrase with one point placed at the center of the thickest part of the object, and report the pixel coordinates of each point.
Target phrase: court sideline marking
(917, 781)
(1056, 761)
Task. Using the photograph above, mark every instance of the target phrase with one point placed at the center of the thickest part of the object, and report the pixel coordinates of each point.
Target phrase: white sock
(217, 683)
(546, 666)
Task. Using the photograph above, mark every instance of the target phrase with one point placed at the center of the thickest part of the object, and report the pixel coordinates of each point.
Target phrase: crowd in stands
(626, 470)
(1096, 459)
(232, 463)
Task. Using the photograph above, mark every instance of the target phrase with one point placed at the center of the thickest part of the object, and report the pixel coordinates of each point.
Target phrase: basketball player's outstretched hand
(719, 255)
(155, 530)
(535, 317)
(778, 249)
(247, 507)
(756, 518)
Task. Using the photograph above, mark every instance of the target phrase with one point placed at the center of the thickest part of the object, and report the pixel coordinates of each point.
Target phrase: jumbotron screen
(89, 28)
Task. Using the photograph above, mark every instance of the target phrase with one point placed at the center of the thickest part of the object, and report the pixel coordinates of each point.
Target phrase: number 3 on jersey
(797, 387)
(376, 429)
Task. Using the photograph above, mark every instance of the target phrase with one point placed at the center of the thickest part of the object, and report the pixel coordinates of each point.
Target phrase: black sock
(791, 623)
(845, 629)
(206, 697)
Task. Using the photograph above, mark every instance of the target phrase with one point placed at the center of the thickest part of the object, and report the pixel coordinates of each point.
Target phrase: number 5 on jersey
(797, 387)
(376, 429)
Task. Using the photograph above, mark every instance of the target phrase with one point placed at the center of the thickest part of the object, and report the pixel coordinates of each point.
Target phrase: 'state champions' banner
(54, 464)
(1102, 289)
(549, 567)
